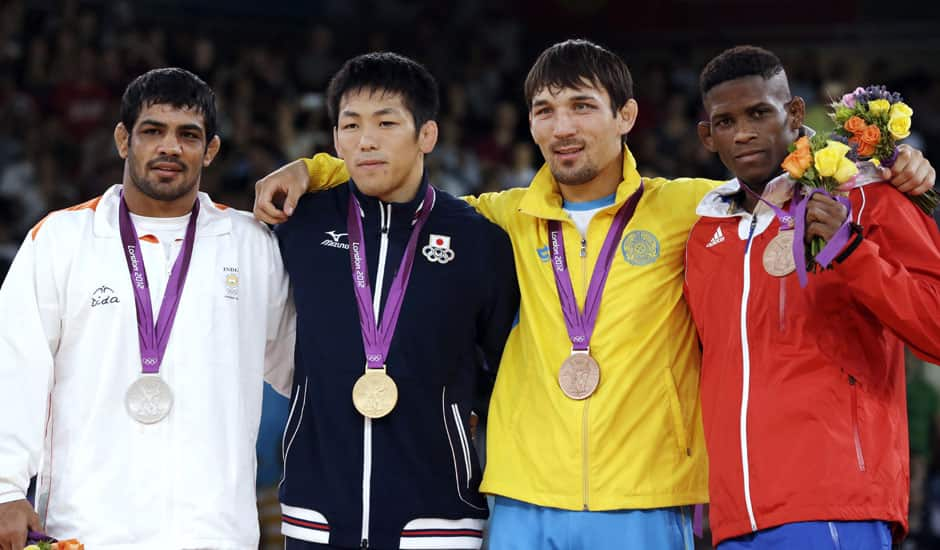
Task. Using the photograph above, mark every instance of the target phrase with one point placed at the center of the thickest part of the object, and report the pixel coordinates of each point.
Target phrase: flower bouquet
(39, 541)
(818, 165)
(871, 120)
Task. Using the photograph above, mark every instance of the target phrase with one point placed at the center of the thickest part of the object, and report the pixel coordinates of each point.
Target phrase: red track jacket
(803, 389)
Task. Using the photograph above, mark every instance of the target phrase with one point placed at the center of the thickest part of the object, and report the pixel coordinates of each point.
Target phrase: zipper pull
(583, 247)
(851, 380)
(365, 544)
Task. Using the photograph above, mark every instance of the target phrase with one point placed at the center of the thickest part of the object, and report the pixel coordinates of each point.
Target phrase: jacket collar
(543, 199)
(212, 221)
(402, 212)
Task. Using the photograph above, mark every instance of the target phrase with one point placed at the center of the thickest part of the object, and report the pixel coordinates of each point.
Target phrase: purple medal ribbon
(581, 326)
(377, 339)
(833, 247)
(154, 338)
(796, 220)
(786, 218)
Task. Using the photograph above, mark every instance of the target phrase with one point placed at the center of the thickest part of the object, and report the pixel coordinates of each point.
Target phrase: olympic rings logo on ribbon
(374, 358)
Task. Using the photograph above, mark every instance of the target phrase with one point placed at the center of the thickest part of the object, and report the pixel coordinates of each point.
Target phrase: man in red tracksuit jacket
(803, 389)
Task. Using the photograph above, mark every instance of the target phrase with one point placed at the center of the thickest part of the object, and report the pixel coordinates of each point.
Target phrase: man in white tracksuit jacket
(142, 439)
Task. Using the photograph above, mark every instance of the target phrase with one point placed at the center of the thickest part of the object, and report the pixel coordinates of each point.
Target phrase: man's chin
(165, 191)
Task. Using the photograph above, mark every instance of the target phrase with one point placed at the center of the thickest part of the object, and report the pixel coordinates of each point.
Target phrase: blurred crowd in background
(64, 65)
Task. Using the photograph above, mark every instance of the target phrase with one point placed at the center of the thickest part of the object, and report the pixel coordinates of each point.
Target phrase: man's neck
(750, 200)
(142, 205)
(408, 190)
(603, 185)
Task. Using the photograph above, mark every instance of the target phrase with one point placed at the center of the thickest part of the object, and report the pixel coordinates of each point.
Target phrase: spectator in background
(923, 413)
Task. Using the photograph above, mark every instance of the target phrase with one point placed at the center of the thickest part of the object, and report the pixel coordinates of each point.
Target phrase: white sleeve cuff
(9, 494)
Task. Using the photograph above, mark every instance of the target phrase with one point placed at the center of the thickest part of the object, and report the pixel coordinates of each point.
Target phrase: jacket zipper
(586, 486)
(384, 222)
(859, 456)
(746, 375)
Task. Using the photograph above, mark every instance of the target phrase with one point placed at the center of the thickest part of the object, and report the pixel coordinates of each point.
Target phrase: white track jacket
(69, 350)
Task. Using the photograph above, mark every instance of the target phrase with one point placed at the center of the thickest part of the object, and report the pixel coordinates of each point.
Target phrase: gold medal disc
(579, 376)
(375, 394)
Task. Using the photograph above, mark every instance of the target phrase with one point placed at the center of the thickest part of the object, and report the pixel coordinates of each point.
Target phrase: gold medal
(778, 256)
(579, 376)
(375, 393)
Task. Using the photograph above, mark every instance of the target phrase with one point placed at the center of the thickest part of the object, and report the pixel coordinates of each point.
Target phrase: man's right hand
(276, 194)
(17, 518)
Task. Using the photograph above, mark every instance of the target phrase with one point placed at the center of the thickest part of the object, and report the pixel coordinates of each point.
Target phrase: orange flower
(855, 125)
(802, 144)
(871, 135)
(864, 149)
(799, 160)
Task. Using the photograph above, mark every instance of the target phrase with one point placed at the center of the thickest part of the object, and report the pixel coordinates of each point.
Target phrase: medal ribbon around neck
(154, 337)
(376, 339)
(581, 326)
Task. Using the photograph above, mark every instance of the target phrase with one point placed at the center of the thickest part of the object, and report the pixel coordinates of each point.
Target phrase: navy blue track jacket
(411, 478)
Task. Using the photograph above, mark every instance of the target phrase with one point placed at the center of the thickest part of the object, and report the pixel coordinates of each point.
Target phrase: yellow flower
(845, 170)
(900, 126)
(826, 160)
(879, 106)
(900, 108)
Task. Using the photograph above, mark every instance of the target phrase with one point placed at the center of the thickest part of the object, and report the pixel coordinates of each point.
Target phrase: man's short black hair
(570, 63)
(389, 73)
(170, 86)
(739, 62)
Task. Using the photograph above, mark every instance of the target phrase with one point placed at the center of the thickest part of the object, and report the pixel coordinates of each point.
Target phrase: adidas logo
(718, 237)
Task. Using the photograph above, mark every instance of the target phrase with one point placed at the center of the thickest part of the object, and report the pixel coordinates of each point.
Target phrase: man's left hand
(824, 216)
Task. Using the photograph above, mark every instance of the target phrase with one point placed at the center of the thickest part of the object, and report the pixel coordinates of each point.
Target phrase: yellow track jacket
(637, 442)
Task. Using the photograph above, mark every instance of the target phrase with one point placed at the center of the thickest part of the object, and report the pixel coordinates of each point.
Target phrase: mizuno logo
(333, 241)
(718, 237)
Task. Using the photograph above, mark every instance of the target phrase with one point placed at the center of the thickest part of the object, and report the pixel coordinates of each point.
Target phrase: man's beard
(161, 192)
(578, 177)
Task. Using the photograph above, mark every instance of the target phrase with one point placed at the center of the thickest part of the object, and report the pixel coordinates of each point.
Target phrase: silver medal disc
(149, 399)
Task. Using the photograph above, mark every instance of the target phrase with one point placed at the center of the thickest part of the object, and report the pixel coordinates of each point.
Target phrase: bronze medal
(778, 256)
(579, 376)
(375, 394)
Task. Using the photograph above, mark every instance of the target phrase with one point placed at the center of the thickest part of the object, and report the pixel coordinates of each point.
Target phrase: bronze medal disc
(778, 256)
(375, 394)
(579, 376)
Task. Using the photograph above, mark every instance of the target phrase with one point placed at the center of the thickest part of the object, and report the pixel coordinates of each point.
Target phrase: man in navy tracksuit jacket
(408, 479)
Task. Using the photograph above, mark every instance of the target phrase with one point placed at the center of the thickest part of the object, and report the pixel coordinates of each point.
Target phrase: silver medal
(149, 399)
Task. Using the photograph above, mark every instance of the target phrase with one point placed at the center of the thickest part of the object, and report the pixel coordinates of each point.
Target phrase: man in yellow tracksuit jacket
(620, 468)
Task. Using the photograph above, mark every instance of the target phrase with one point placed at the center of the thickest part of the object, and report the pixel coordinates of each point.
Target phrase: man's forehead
(167, 114)
(746, 91)
(371, 99)
(558, 93)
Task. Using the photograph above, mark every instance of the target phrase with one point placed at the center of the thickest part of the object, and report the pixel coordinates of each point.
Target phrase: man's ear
(427, 137)
(121, 140)
(705, 135)
(796, 112)
(628, 114)
(212, 150)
